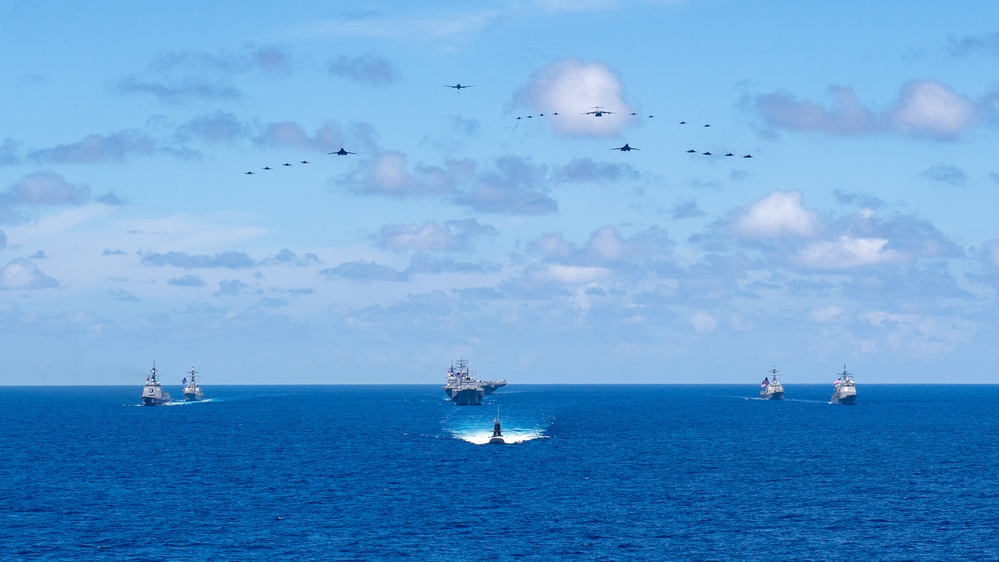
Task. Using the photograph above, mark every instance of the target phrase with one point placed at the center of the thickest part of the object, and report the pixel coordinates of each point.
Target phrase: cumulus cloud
(42, 189)
(388, 174)
(687, 209)
(606, 246)
(450, 236)
(703, 322)
(290, 134)
(787, 233)
(288, 257)
(10, 152)
(22, 274)
(114, 147)
(227, 260)
(186, 281)
(779, 214)
(846, 252)
(573, 87)
(589, 170)
(923, 108)
(231, 288)
(514, 186)
(218, 127)
(363, 271)
(945, 173)
(367, 69)
(987, 44)
(185, 75)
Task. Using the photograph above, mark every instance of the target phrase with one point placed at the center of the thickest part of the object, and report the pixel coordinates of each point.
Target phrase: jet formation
(596, 111)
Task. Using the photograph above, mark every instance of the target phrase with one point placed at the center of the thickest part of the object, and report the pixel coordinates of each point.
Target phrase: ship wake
(509, 436)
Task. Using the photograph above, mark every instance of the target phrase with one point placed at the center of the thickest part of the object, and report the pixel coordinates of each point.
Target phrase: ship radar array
(594, 112)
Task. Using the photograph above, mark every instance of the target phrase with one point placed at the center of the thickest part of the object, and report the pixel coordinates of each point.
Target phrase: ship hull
(849, 400)
(193, 397)
(772, 396)
(150, 401)
(468, 397)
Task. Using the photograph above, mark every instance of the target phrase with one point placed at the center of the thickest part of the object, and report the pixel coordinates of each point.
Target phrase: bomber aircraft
(625, 148)
(342, 152)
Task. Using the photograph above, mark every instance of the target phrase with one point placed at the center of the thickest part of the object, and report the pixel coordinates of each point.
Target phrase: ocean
(601, 472)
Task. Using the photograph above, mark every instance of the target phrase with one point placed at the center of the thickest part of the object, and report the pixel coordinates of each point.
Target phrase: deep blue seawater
(616, 472)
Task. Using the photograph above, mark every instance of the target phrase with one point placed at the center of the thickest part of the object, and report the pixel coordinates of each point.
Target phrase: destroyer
(845, 391)
(192, 392)
(461, 387)
(771, 388)
(153, 393)
(459, 372)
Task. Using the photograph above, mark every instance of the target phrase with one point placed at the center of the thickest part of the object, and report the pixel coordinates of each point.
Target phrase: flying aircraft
(305, 162)
(625, 148)
(248, 173)
(342, 152)
(458, 86)
(691, 151)
(598, 111)
(266, 168)
(730, 154)
(748, 156)
(286, 164)
(707, 153)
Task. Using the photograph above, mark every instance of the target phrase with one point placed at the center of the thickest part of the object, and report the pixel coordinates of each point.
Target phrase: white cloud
(923, 107)
(21, 273)
(931, 107)
(573, 87)
(845, 252)
(571, 274)
(826, 314)
(778, 214)
(703, 322)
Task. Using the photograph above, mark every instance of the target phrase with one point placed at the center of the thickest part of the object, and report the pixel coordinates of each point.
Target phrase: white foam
(510, 436)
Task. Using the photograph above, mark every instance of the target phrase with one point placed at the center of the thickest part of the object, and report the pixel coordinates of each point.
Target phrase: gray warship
(771, 388)
(461, 387)
(845, 391)
(153, 393)
(459, 372)
(192, 392)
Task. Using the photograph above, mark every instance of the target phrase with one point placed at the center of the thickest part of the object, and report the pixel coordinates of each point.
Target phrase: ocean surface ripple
(602, 472)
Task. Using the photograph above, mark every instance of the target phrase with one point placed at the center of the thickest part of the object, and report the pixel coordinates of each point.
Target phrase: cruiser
(153, 393)
(845, 391)
(461, 387)
(772, 389)
(192, 392)
(459, 371)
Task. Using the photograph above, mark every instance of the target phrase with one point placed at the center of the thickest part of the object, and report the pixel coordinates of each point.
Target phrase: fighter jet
(730, 154)
(266, 168)
(691, 151)
(342, 152)
(458, 86)
(625, 148)
(286, 164)
(248, 173)
(748, 156)
(305, 162)
(707, 153)
(598, 111)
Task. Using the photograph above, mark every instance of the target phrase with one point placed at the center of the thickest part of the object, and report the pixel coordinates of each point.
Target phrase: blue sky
(861, 232)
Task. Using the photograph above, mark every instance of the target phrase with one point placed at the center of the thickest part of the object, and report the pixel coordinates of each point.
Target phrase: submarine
(497, 438)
